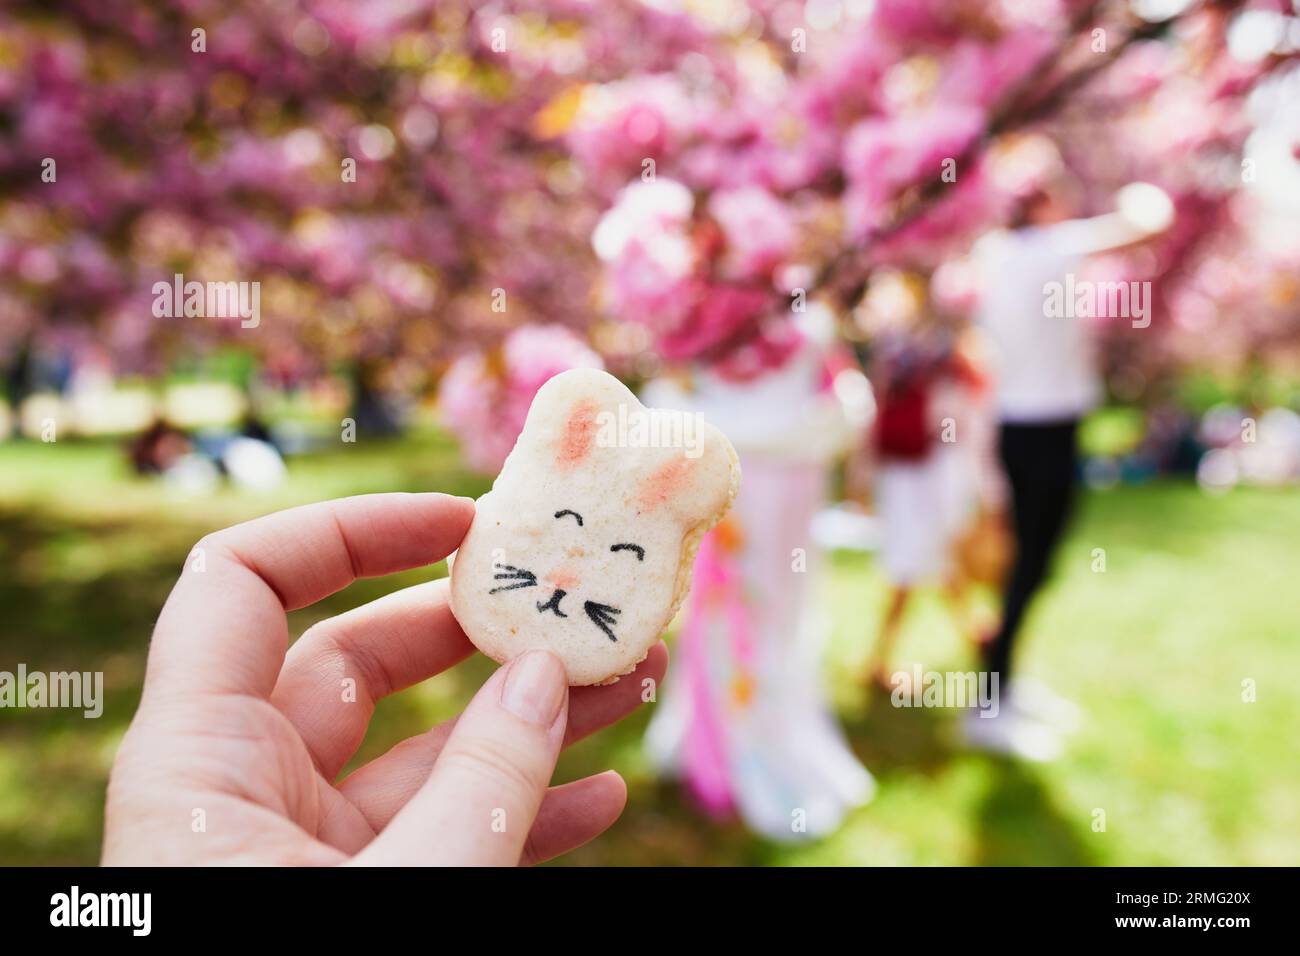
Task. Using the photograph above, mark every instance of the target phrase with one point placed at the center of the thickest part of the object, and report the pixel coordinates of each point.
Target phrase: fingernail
(535, 688)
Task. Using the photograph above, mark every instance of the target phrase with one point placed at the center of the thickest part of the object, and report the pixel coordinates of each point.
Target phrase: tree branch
(1019, 107)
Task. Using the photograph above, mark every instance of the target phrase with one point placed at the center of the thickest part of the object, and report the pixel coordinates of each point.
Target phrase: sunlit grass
(1198, 596)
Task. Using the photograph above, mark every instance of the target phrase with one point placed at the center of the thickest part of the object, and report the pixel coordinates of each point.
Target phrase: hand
(234, 754)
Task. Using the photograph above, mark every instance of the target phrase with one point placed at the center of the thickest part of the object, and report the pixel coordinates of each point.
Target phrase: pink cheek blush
(663, 484)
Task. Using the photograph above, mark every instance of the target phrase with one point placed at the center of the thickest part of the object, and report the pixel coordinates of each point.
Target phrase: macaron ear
(693, 483)
(564, 423)
(653, 460)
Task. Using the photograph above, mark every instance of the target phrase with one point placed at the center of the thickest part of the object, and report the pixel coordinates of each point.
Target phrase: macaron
(585, 544)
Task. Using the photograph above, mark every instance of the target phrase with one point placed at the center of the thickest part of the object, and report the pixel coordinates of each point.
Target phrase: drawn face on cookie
(583, 546)
(562, 578)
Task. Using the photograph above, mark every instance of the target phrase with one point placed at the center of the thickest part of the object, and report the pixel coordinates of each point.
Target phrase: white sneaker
(1036, 700)
(1011, 733)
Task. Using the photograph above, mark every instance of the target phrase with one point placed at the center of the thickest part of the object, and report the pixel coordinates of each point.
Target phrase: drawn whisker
(602, 615)
(525, 583)
(521, 578)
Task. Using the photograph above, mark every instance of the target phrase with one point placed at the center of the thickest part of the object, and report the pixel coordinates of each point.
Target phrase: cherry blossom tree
(411, 182)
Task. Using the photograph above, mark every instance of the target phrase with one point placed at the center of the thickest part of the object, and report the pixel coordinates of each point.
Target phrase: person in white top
(1046, 382)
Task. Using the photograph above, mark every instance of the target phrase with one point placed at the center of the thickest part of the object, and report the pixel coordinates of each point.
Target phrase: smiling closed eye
(640, 551)
(566, 511)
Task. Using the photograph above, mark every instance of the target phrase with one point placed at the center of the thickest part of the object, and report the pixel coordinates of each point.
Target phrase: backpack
(903, 421)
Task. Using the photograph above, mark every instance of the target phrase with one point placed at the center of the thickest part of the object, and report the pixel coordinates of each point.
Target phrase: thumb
(478, 805)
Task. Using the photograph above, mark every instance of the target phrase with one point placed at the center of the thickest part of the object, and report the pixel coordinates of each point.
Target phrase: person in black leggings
(1040, 463)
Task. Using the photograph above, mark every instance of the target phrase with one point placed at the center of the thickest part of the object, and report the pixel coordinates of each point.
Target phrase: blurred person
(158, 447)
(1046, 383)
(252, 458)
(1169, 441)
(254, 426)
(257, 735)
(928, 488)
(194, 466)
(253, 464)
(376, 409)
(17, 378)
(747, 722)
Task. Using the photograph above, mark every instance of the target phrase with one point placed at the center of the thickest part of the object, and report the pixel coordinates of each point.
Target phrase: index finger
(223, 628)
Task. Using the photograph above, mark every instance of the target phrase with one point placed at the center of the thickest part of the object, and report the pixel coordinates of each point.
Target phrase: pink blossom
(773, 344)
(622, 124)
(759, 230)
(720, 314)
(645, 240)
(486, 408)
(981, 73)
(881, 156)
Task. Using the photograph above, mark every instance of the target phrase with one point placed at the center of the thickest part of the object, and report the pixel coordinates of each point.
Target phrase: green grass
(1198, 595)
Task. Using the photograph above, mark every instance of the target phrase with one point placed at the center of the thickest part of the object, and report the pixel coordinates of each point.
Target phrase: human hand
(234, 753)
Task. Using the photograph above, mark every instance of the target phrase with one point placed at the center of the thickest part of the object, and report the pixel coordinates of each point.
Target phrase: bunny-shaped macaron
(584, 545)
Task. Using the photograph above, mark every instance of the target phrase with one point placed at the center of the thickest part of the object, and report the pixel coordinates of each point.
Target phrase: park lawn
(1198, 596)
